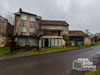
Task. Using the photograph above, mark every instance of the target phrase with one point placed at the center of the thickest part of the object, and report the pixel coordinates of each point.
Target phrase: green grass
(5, 50)
(49, 50)
(97, 72)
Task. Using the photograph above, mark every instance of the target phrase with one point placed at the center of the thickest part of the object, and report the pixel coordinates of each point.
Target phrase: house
(79, 38)
(5, 28)
(56, 29)
(26, 23)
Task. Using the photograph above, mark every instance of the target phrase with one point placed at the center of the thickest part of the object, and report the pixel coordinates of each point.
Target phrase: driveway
(49, 64)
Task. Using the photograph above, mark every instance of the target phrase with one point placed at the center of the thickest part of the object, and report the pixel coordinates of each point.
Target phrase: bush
(66, 38)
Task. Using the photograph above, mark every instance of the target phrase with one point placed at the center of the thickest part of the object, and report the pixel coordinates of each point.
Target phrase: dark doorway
(46, 43)
(59, 33)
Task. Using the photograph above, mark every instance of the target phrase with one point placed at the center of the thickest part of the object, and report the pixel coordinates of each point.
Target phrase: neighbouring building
(5, 28)
(25, 24)
(56, 29)
(79, 38)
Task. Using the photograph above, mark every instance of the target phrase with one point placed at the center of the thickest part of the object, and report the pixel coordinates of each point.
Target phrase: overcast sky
(80, 14)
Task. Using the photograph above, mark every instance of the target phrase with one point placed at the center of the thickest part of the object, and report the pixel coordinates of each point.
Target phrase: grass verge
(6, 51)
(97, 72)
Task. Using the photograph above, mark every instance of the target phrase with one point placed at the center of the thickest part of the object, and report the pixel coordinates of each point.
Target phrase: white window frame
(32, 18)
(32, 30)
(23, 16)
(23, 28)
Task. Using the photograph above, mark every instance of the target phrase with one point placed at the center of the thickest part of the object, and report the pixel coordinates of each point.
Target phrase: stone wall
(26, 23)
(87, 41)
(65, 29)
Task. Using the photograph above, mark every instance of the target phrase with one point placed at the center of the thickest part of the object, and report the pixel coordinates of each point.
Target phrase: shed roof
(77, 33)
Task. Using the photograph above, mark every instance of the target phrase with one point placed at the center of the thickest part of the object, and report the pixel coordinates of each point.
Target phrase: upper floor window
(23, 28)
(23, 16)
(59, 33)
(31, 29)
(32, 18)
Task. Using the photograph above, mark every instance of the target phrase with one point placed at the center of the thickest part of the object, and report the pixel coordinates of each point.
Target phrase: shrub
(66, 38)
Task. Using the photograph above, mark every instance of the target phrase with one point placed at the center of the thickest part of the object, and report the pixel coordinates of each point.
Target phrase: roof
(18, 13)
(3, 19)
(54, 22)
(28, 13)
(77, 33)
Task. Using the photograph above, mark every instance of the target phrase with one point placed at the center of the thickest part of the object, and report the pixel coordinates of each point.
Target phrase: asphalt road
(49, 64)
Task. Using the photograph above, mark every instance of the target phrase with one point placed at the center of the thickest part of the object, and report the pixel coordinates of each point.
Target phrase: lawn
(6, 51)
(97, 72)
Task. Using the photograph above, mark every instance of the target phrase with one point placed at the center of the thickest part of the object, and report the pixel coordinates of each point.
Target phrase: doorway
(46, 43)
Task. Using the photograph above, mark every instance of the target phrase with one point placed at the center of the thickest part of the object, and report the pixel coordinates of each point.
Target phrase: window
(60, 42)
(21, 41)
(31, 29)
(33, 42)
(56, 42)
(23, 16)
(32, 18)
(59, 33)
(23, 28)
(52, 42)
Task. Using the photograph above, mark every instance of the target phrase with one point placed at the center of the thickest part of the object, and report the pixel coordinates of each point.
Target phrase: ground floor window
(76, 40)
(21, 41)
(26, 41)
(51, 42)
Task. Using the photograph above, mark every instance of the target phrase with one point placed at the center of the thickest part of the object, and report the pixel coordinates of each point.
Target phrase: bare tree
(10, 17)
(39, 32)
(87, 31)
(8, 30)
(97, 37)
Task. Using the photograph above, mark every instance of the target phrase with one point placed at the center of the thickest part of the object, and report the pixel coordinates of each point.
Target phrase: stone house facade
(79, 38)
(5, 28)
(26, 23)
(56, 30)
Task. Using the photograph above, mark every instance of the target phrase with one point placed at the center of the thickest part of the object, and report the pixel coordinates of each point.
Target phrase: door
(46, 43)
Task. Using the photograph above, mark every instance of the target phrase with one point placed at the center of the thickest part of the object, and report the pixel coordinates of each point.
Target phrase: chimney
(20, 10)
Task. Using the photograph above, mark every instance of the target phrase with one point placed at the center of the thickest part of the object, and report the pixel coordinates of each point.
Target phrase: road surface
(49, 64)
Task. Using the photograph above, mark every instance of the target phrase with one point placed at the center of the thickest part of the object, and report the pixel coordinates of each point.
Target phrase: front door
(46, 42)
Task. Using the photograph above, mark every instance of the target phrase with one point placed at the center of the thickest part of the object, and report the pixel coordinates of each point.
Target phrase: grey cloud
(80, 14)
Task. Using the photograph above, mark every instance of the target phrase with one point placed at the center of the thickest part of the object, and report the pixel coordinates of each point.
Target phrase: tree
(39, 33)
(8, 31)
(88, 32)
(66, 38)
(96, 37)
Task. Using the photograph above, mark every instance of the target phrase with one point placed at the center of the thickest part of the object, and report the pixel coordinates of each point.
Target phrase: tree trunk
(38, 44)
(12, 45)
